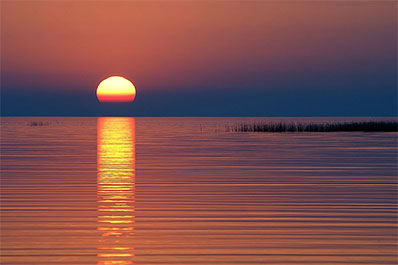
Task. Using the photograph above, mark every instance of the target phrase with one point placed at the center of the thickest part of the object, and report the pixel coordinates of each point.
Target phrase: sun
(116, 89)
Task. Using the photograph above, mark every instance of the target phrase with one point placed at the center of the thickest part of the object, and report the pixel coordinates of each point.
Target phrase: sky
(200, 58)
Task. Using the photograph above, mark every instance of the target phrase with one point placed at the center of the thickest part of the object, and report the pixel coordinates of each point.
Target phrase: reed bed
(365, 126)
(38, 123)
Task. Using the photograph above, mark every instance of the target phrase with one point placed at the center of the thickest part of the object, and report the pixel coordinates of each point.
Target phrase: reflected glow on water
(116, 186)
(72, 192)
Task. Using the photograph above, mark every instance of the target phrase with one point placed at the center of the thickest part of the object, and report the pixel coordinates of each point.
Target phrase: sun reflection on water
(116, 188)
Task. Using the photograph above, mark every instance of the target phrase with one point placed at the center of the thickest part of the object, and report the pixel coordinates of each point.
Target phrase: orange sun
(116, 89)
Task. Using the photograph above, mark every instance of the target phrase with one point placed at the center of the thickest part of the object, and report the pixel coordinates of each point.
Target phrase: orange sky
(178, 45)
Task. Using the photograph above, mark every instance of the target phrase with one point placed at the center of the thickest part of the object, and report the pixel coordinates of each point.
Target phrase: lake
(184, 191)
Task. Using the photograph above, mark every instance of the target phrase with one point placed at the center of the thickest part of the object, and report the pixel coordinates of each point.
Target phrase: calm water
(183, 191)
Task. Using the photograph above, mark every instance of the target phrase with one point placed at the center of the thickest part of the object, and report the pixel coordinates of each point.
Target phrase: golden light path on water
(116, 186)
(72, 192)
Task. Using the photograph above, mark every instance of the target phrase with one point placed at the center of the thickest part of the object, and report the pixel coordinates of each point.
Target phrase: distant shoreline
(237, 117)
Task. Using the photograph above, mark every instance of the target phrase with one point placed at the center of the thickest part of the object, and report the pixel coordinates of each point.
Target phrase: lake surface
(123, 191)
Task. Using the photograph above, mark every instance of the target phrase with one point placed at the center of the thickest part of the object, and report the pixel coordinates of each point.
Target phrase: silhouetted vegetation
(366, 126)
(38, 123)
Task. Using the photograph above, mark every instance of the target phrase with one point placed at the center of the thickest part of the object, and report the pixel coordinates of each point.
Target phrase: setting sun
(116, 89)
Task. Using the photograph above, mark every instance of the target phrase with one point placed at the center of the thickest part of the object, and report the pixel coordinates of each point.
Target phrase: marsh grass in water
(366, 126)
(38, 123)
